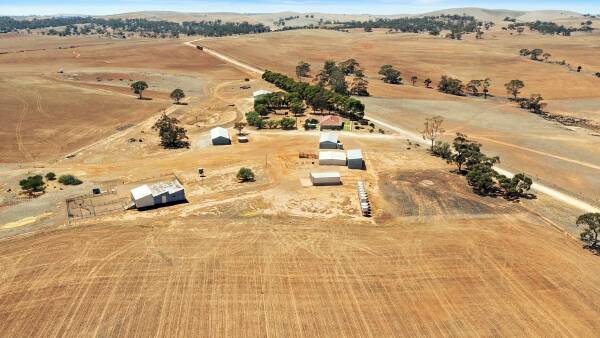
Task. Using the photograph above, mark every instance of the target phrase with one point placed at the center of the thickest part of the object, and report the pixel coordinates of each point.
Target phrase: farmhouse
(355, 159)
(261, 92)
(149, 195)
(332, 122)
(220, 136)
(332, 157)
(325, 178)
(329, 141)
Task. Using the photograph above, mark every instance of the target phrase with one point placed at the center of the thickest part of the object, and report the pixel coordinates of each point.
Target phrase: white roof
(329, 137)
(156, 189)
(332, 155)
(354, 154)
(219, 132)
(141, 192)
(329, 174)
(260, 92)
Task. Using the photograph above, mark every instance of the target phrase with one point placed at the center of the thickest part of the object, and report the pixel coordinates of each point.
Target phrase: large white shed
(355, 159)
(325, 178)
(332, 157)
(328, 141)
(158, 193)
(220, 136)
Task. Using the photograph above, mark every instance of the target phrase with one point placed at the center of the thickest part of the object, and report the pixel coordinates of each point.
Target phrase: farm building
(259, 93)
(355, 159)
(149, 195)
(332, 122)
(325, 178)
(329, 141)
(332, 157)
(220, 136)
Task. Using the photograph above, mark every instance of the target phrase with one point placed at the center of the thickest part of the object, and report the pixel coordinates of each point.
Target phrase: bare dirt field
(275, 256)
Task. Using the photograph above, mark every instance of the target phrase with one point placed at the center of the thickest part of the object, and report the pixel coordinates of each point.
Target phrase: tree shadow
(593, 249)
(145, 98)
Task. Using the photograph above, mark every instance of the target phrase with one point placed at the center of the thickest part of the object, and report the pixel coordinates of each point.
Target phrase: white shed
(220, 136)
(158, 193)
(325, 178)
(260, 93)
(332, 157)
(355, 159)
(328, 141)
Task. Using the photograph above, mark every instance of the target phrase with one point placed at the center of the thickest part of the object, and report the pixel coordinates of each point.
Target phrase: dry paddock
(256, 275)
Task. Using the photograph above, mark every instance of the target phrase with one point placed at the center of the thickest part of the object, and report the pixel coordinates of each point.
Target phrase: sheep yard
(278, 255)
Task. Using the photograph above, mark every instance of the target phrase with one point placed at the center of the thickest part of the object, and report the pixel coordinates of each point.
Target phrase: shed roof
(332, 155)
(260, 92)
(329, 137)
(328, 174)
(354, 154)
(141, 192)
(219, 132)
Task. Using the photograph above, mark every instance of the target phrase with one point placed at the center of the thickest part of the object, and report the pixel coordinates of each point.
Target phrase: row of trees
(535, 54)
(317, 96)
(205, 28)
(334, 76)
(474, 164)
(256, 120)
(456, 24)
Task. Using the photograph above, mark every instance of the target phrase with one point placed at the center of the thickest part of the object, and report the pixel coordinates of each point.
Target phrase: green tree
(33, 184)
(450, 85)
(473, 87)
(50, 176)
(338, 83)
(516, 186)
(239, 126)
(349, 66)
(514, 87)
(69, 180)
(485, 85)
(427, 83)
(324, 76)
(442, 149)
(414, 79)
(261, 109)
(302, 69)
(177, 95)
(287, 123)
(245, 175)
(536, 53)
(138, 87)
(390, 75)
(591, 222)
(481, 178)
(359, 87)
(253, 119)
(171, 134)
(297, 107)
(272, 124)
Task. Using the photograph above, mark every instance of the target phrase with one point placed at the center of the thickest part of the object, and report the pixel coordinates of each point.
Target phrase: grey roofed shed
(355, 159)
(220, 136)
(328, 141)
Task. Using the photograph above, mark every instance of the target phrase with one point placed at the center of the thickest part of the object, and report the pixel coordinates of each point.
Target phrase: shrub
(33, 184)
(69, 180)
(245, 175)
(287, 123)
(50, 176)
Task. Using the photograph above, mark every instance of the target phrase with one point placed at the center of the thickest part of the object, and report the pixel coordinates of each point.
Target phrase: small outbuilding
(149, 195)
(325, 178)
(355, 159)
(329, 141)
(220, 136)
(332, 157)
(261, 92)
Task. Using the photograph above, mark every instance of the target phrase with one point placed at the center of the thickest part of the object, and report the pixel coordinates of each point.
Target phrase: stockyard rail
(90, 205)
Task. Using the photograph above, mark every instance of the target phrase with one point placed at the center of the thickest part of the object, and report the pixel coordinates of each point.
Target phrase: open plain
(275, 256)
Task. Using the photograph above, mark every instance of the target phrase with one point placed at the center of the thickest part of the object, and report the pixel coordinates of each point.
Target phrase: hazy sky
(26, 7)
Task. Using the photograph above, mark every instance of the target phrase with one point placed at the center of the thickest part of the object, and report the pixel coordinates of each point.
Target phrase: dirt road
(572, 201)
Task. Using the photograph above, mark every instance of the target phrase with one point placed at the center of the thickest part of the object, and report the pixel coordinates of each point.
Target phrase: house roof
(354, 154)
(141, 192)
(219, 132)
(332, 120)
(329, 137)
(260, 92)
(332, 155)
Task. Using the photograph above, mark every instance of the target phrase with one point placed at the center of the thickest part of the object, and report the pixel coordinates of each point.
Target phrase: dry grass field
(275, 257)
